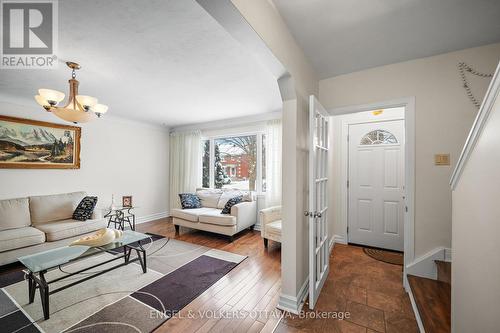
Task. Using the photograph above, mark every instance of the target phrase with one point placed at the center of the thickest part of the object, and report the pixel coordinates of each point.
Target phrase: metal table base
(39, 282)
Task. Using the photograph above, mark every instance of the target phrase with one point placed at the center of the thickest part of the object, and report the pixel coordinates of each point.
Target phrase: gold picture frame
(33, 144)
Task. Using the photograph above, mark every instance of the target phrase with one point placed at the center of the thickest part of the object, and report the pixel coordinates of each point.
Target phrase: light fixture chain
(462, 68)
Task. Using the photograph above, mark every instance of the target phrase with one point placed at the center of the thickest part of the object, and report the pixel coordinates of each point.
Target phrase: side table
(120, 216)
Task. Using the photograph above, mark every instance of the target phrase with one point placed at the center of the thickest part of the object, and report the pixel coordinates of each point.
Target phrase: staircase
(433, 298)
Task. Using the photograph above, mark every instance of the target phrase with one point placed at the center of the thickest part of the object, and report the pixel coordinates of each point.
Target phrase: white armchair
(270, 222)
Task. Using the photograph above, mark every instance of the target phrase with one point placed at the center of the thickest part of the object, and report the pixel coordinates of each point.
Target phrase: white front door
(319, 264)
(376, 184)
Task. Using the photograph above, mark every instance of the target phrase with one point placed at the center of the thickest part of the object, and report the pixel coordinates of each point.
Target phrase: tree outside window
(205, 163)
(220, 174)
(234, 162)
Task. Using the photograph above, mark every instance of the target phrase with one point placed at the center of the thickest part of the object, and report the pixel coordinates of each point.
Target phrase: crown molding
(229, 123)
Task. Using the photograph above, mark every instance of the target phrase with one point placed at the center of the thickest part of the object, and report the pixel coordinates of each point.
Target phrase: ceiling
(167, 62)
(343, 36)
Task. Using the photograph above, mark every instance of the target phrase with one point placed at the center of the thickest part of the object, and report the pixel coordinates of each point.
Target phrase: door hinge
(348, 183)
(406, 209)
(347, 229)
(347, 137)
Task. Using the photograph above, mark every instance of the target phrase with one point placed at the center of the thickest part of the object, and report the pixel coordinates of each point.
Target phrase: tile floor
(370, 290)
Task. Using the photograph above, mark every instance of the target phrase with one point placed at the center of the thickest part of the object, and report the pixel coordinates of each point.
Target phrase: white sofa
(35, 224)
(209, 217)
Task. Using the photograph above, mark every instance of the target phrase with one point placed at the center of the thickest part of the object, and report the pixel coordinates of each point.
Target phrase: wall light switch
(442, 159)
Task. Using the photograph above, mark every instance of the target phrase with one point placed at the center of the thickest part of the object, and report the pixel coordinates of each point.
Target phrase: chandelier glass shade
(78, 108)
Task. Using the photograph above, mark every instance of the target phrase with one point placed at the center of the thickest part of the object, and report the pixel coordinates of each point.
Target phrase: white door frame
(409, 217)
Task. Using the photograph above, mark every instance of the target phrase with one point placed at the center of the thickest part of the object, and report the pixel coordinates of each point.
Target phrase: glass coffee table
(39, 264)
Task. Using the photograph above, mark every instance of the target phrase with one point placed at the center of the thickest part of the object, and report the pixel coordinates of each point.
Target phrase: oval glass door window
(378, 137)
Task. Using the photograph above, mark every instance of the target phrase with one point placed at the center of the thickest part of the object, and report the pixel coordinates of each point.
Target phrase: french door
(318, 205)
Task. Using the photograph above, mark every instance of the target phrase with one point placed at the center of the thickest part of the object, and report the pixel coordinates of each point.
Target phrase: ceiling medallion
(78, 109)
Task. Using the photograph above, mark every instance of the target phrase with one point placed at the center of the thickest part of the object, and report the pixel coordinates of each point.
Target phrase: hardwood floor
(433, 299)
(253, 285)
(370, 290)
(444, 271)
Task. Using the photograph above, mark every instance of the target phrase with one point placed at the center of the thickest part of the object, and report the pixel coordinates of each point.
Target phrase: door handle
(315, 214)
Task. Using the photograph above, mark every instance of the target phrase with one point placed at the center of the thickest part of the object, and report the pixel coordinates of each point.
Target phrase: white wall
(444, 116)
(476, 228)
(118, 156)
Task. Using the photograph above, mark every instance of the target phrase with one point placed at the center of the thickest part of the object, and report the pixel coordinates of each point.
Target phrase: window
(378, 137)
(234, 162)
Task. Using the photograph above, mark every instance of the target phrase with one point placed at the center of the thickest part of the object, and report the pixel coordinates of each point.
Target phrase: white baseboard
(415, 309)
(332, 244)
(152, 217)
(425, 266)
(339, 239)
(294, 304)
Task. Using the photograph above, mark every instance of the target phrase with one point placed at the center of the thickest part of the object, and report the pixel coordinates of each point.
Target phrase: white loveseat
(35, 224)
(209, 217)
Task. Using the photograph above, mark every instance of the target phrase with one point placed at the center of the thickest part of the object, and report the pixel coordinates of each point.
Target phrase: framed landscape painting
(34, 144)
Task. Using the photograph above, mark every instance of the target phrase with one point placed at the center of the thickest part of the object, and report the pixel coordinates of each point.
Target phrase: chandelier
(78, 109)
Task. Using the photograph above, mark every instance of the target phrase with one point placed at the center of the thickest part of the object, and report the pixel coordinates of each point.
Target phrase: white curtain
(185, 164)
(273, 162)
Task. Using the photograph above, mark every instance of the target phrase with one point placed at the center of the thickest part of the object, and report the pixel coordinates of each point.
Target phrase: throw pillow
(189, 201)
(209, 197)
(230, 203)
(228, 194)
(85, 209)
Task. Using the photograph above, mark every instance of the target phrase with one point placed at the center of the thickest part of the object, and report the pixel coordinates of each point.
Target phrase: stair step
(433, 300)
(444, 270)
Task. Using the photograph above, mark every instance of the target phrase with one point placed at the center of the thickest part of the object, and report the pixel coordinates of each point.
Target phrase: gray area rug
(123, 300)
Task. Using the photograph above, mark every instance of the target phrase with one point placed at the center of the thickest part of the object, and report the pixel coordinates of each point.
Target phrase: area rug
(123, 300)
(391, 257)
